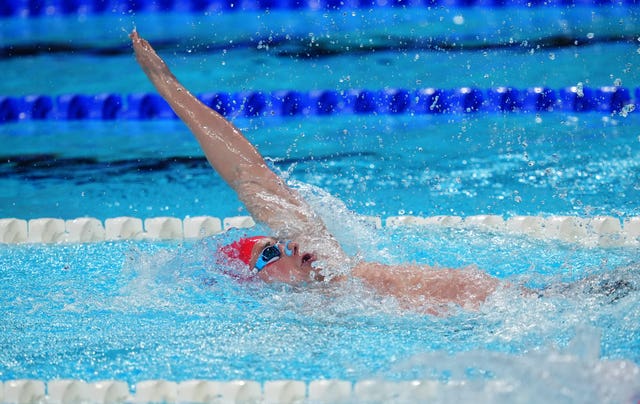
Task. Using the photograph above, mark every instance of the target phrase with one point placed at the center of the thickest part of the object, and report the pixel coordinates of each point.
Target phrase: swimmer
(272, 202)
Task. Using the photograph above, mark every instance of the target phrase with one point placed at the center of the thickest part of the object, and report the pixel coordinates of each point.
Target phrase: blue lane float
(9, 8)
(291, 103)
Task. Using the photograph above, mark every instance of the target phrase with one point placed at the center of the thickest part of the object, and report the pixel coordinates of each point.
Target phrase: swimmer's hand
(153, 66)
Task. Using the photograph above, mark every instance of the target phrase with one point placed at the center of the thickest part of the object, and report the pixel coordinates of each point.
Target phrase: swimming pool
(146, 311)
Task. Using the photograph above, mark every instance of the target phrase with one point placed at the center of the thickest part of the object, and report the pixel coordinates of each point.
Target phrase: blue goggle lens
(271, 254)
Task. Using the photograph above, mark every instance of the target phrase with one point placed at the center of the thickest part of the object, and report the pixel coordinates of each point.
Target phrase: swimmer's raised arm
(265, 195)
(227, 150)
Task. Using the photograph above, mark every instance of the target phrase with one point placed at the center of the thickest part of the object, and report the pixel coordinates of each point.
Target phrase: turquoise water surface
(518, 164)
(137, 310)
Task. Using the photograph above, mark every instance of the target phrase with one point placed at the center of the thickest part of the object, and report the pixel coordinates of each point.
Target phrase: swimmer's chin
(316, 276)
(309, 265)
(322, 276)
(309, 275)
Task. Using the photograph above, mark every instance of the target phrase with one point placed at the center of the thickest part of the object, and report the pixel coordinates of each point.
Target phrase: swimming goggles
(271, 254)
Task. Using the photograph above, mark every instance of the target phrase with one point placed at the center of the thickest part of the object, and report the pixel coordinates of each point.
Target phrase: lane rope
(292, 103)
(601, 231)
(36, 8)
(67, 391)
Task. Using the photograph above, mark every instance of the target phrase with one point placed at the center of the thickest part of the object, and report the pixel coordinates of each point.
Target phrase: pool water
(519, 164)
(465, 164)
(138, 310)
(361, 48)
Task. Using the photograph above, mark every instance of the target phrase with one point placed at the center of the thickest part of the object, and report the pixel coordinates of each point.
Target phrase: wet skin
(292, 269)
(273, 203)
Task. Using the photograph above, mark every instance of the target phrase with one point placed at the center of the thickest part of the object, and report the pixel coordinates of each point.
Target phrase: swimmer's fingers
(146, 56)
(140, 45)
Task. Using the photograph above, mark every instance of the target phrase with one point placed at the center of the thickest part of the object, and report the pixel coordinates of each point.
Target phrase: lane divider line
(603, 231)
(292, 103)
(48, 8)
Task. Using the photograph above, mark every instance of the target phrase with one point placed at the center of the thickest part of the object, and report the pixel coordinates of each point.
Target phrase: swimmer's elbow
(243, 177)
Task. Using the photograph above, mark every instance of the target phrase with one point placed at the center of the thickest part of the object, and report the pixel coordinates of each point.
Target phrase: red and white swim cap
(241, 249)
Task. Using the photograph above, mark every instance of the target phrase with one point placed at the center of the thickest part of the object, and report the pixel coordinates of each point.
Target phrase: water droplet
(627, 109)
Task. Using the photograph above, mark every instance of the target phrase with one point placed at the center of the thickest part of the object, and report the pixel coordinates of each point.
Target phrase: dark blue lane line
(80, 170)
(301, 47)
(55, 166)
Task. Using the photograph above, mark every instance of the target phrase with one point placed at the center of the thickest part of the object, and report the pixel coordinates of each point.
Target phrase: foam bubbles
(564, 324)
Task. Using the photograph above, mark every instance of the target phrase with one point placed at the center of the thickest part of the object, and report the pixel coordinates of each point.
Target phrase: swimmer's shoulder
(376, 274)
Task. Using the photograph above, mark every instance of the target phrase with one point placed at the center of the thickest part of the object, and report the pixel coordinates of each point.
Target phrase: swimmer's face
(292, 269)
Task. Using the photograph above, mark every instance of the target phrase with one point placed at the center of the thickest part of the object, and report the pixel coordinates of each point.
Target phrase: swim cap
(241, 249)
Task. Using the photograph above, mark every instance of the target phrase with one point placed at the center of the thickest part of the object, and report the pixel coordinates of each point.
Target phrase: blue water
(147, 310)
(376, 48)
(556, 163)
(137, 310)
(518, 164)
